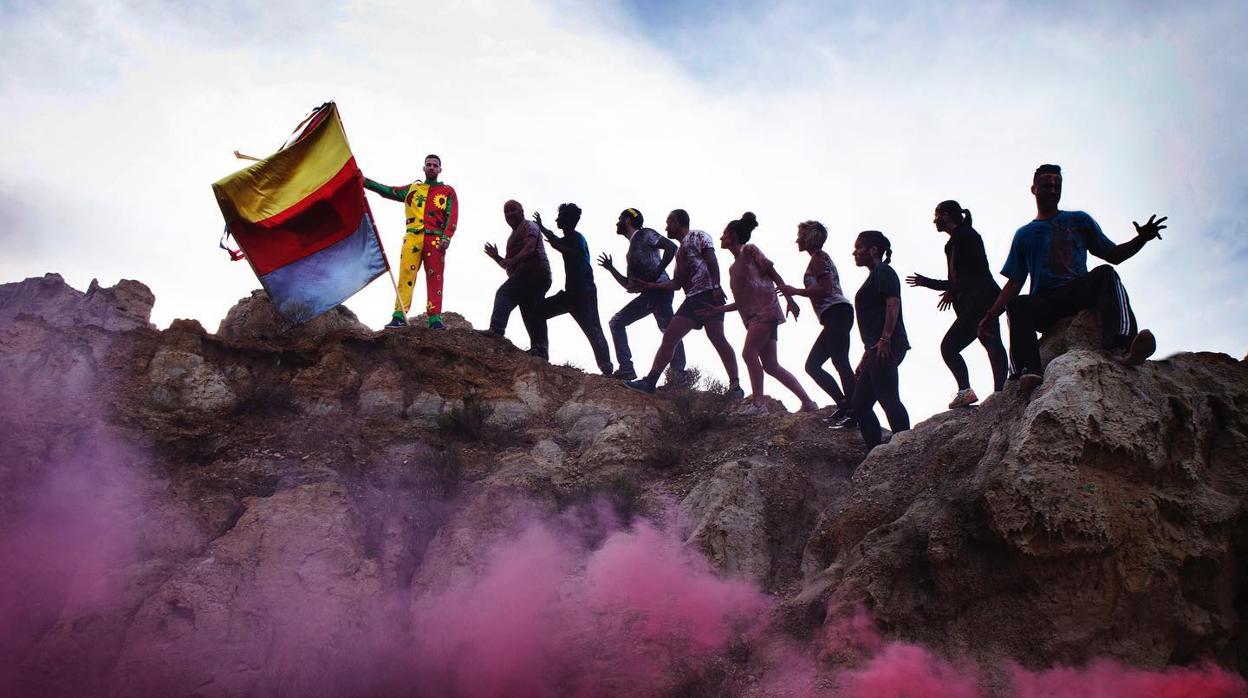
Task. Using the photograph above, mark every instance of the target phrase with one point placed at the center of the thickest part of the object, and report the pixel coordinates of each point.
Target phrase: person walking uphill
(754, 281)
(579, 296)
(883, 333)
(697, 272)
(1053, 249)
(822, 285)
(432, 213)
(648, 256)
(528, 278)
(971, 290)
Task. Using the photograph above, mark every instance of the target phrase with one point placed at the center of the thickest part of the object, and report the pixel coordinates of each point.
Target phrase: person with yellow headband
(432, 213)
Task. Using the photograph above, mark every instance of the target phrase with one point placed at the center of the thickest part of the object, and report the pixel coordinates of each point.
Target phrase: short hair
(572, 211)
(1046, 170)
(875, 238)
(743, 227)
(435, 157)
(634, 216)
(682, 217)
(954, 209)
(814, 233)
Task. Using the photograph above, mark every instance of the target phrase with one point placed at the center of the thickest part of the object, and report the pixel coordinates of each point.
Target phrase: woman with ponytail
(822, 285)
(883, 333)
(754, 280)
(971, 291)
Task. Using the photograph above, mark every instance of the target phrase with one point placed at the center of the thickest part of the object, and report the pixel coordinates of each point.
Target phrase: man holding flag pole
(432, 212)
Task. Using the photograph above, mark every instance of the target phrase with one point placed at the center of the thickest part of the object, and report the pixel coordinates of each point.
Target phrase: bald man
(528, 279)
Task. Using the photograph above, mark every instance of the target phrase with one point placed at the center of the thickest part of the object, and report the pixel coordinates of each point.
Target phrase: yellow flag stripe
(285, 178)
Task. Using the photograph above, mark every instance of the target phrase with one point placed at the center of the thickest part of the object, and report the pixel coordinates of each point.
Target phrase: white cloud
(122, 115)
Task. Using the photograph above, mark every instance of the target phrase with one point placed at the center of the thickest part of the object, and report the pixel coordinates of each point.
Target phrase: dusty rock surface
(261, 489)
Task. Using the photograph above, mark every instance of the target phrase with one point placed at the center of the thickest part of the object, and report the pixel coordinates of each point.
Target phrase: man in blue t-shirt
(1053, 250)
(579, 296)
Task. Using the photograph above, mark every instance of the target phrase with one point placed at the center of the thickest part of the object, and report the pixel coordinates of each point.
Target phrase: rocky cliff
(335, 511)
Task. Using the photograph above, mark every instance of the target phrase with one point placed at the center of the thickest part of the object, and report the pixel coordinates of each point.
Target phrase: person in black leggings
(822, 285)
(970, 290)
(883, 333)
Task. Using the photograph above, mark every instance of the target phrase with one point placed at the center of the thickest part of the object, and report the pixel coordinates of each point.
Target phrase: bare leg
(756, 337)
(676, 330)
(771, 364)
(715, 333)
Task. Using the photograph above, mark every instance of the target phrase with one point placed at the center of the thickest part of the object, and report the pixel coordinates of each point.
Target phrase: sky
(120, 115)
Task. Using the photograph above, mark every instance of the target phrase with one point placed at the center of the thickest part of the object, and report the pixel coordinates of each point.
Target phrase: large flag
(302, 221)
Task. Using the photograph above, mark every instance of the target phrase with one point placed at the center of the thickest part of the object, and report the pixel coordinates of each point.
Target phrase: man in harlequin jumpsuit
(432, 212)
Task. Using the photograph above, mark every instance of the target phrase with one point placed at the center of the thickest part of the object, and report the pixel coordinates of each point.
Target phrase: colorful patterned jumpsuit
(432, 213)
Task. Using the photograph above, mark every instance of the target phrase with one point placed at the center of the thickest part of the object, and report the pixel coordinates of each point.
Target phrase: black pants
(833, 343)
(1099, 290)
(656, 303)
(582, 305)
(877, 382)
(528, 292)
(964, 330)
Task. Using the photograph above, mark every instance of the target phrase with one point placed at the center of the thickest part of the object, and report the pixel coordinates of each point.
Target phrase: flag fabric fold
(302, 221)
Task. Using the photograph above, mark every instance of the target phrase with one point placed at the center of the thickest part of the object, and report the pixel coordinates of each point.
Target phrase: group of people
(1052, 250)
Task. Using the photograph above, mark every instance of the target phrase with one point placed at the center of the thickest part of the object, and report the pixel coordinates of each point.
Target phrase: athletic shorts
(697, 308)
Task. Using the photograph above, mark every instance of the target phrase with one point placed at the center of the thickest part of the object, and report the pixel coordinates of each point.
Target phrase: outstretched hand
(917, 280)
(787, 290)
(491, 250)
(604, 261)
(1151, 229)
(792, 308)
(946, 300)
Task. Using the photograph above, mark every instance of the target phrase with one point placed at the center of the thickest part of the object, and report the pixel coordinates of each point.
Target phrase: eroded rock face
(126, 306)
(1103, 516)
(296, 499)
(254, 318)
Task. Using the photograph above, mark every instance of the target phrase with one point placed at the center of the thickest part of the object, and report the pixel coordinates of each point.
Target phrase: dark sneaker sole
(1142, 347)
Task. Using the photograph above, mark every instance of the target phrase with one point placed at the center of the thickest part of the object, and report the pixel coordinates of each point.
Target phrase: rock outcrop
(254, 500)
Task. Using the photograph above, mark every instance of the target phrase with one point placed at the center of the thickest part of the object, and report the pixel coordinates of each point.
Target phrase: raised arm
(605, 261)
(1143, 233)
(389, 192)
(555, 242)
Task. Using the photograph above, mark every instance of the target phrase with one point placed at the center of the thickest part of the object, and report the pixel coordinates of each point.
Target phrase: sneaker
(964, 398)
(538, 353)
(396, 322)
(811, 406)
(640, 385)
(1028, 382)
(752, 410)
(837, 415)
(489, 333)
(606, 371)
(735, 392)
(846, 422)
(625, 373)
(1142, 347)
(436, 325)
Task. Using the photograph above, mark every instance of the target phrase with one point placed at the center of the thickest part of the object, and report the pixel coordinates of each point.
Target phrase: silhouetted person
(971, 291)
(1053, 249)
(754, 281)
(528, 278)
(822, 285)
(697, 273)
(883, 333)
(579, 296)
(648, 256)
